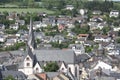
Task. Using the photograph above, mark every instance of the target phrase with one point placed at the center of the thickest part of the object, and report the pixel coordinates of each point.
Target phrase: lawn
(25, 10)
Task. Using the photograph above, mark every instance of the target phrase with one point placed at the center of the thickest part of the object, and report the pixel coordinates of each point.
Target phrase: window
(62, 68)
(36, 69)
(27, 58)
(28, 64)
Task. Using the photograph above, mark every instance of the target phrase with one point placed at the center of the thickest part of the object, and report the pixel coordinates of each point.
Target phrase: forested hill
(103, 5)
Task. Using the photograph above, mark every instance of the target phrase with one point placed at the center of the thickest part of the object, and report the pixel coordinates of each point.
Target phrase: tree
(118, 40)
(51, 67)
(88, 49)
(9, 78)
(10, 31)
(105, 30)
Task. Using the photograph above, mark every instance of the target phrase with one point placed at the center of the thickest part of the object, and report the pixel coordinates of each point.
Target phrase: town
(72, 41)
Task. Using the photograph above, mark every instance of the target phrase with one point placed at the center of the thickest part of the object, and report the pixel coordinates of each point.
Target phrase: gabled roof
(29, 52)
(68, 56)
(82, 57)
(15, 74)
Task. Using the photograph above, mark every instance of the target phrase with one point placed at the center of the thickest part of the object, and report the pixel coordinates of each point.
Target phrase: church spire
(31, 38)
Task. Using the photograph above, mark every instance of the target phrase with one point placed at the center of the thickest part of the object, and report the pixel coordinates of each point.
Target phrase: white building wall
(37, 68)
(28, 70)
(63, 68)
(72, 68)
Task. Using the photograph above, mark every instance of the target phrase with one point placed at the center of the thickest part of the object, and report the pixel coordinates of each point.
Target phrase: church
(35, 59)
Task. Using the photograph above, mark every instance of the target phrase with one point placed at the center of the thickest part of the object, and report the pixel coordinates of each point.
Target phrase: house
(58, 38)
(22, 38)
(113, 52)
(81, 41)
(83, 11)
(10, 42)
(116, 28)
(62, 20)
(69, 7)
(77, 48)
(37, 24)
(101, 25)
(88, 43)
(104, 71)
(2, 26)
(14, 26)
(85, 36)
(61, 77)
(71, 35)
(114, 13)
(98, 12)
(96, 19)
(43, 76)
(102, 38)
(102, 65)
(93, 25)
(2, 38)
(47, 39)
(39, 35)
(11, 18)
(61, 27)
(21, 32)
(110, 46)
(33, 77)
(20, 22)
(83, 57)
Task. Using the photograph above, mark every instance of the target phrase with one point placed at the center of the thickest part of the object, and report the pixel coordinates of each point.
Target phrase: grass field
(25, 10)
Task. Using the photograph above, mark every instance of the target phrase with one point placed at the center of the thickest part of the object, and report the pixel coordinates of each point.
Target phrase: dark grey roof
(115, 75)
(13, 67)
(82, 57)
(15, 74)
(29, 52)
(17, 52)
(68, 56)
(52, 74)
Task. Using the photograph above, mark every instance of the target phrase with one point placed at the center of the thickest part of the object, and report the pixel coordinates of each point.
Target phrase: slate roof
(13, 67)
(15, 74)
(68, 56)
(52, 74)
(82, 57)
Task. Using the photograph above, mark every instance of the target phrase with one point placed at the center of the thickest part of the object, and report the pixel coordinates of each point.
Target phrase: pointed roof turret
(29, 52)
(31, 38)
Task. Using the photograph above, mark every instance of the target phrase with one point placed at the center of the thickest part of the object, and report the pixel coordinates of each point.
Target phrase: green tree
(10, 31)
(118, 40)
(105, 30)
(9, 78)
(51, 67)
(88, 49)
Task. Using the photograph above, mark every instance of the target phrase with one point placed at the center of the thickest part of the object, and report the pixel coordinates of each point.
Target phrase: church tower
(28, 62)
(30, 58)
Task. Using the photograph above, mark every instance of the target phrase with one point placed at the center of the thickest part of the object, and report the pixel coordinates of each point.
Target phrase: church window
(36, 69)
(28, 64)
(62, 68)
(27, 58)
